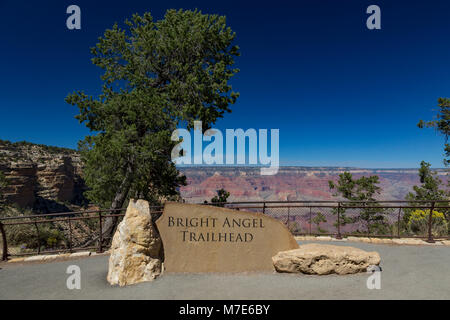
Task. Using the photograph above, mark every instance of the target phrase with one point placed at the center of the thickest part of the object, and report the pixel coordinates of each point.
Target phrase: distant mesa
(41, 177)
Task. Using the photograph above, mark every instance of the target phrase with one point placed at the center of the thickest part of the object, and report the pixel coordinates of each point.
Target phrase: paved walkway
(409, 272)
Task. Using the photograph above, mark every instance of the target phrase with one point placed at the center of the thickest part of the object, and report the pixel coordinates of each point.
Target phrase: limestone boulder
(136, 250)
(324, 259)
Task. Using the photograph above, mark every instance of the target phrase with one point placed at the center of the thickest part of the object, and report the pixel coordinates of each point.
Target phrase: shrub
(26, 235)
(294, 228)
(418, 223)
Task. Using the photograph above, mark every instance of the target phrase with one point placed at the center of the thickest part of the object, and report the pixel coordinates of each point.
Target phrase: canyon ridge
(49, 179)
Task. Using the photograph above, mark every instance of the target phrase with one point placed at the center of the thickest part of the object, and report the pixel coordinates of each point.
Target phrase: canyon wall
(49, 178)
(291, 183)
(40, 177)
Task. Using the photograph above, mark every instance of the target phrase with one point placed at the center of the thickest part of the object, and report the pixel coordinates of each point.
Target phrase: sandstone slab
(34, 258)
(364, 239)
(51, 257)
(325, 259)
(202, 238)
(324, 238)
(80, 254)
(136, 250)
(381, 241)
(410, 241)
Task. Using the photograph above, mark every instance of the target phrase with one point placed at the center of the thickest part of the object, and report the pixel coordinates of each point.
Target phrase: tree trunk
(110, 223)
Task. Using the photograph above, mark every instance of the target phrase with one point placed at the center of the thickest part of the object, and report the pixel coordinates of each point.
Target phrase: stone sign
(202, 238)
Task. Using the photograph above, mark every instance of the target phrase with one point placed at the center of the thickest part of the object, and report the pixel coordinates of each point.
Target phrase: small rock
(325, 259)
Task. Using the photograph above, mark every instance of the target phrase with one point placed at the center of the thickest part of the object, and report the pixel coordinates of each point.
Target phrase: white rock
(136, 247)
(325, 259)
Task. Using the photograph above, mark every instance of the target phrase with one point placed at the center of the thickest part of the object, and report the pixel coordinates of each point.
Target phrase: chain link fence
(376, 219)
(57, 232)
(72, 231)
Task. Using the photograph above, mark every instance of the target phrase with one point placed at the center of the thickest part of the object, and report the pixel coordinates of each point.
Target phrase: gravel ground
(409, 272)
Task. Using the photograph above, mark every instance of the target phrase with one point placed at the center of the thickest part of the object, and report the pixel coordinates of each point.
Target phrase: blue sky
(341, 95)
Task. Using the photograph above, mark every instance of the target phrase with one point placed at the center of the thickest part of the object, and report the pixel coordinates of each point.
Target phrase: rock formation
(291, 183)
(325, 259)
(40, 177)
(22, 182)
(136, 250)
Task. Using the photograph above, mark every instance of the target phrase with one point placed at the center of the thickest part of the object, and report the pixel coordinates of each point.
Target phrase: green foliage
(441, 124)
(157, 75)
(431, 188)
(345, 187)
(28, 236)
(418, 223)
(49, 149)
(317, 220)
(364, 190)
(221, 197)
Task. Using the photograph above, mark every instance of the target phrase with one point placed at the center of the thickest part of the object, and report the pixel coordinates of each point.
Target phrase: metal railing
(65, 222)
(82, 230)
(343, 218)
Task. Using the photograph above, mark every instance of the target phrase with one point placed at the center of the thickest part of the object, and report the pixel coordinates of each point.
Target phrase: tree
(430, 182)
(441, 124)
(344, 188)
(364, 191)
(221, 197)
(317, 220)
(157, 76)
(429, 189)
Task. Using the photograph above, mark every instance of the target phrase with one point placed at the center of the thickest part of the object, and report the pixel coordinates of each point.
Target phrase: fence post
(310, 221)
(264, 207)
(398, 222)
(430, 222)
(100, 234)
(289, 211)
(70, 235)
(339, 236)
(38, 237)
(5, 244)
